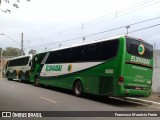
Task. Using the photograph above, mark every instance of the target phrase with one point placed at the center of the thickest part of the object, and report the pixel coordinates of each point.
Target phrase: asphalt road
(16, 96)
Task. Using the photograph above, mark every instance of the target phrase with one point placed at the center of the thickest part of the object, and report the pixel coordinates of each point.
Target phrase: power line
(118, 13)
(12, 39)
(139, 8)
(124, 26)
(126, 10)
(106, 32)
(144, 28)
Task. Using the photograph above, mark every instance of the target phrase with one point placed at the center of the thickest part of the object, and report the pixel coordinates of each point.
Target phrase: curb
(138, 101)
(148, 102)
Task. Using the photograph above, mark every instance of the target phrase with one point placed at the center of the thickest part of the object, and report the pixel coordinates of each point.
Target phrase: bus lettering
(109, 71)
(140, 60)
(53, 68)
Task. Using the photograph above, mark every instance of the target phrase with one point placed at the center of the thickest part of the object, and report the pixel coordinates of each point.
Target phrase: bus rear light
(126, 92)
(120, 80)
(140, 39)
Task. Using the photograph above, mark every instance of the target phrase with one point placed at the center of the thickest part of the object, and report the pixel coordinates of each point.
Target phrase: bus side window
(91, 52)
(76, 54)
(64, 56)
(52, 58)
(109, 49)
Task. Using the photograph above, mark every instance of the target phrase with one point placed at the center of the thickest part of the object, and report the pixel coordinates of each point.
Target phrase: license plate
(138, 88)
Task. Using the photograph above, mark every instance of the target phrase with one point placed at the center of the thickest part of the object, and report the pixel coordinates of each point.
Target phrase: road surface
(16, 96)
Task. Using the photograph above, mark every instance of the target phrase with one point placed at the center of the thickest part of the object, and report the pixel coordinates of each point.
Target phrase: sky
(46, 24)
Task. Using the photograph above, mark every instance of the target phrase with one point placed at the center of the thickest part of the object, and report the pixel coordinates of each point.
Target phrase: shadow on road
(101, 99)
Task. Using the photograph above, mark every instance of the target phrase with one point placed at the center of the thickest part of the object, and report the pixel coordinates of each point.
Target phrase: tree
(14, 4)
(11, 52)
(32, 51)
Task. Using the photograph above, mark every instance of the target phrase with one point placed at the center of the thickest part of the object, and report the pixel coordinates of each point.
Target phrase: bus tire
(78, 88)
(37, 81)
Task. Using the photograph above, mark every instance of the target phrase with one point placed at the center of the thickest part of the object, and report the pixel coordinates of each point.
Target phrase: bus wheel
(78, 88)
(37, 82)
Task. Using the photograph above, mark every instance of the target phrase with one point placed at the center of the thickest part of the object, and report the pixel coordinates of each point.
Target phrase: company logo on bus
(70, 68)
(141, 49)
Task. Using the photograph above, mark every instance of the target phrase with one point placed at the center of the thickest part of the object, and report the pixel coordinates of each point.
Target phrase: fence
(156, 72)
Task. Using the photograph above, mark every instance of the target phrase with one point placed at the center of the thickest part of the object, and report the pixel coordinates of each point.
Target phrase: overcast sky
(42, 20)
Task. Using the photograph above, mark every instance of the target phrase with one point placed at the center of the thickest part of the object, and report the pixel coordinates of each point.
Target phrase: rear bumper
(122, 92)
(138, 93)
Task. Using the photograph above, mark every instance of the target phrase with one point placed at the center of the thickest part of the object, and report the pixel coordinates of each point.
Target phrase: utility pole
(83, 37)
(127, 27)
(22, 44)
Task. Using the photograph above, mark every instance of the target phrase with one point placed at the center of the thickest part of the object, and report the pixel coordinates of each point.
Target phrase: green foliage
(15, 4)
(11, 52)
(32, 51)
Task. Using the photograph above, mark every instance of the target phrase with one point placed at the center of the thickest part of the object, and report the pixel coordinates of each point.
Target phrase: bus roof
(139, 39)
(29, 55)
(95, 41)
(42, 52)
(101, 40)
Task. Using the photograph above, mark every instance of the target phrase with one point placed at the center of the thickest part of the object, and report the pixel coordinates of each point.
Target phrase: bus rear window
(139, 48)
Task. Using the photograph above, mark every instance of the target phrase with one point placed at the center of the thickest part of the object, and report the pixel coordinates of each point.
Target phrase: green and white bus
(118, 66)
(18, 68)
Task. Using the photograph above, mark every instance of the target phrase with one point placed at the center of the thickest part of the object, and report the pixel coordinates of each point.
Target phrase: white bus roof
(95, 41)
(29, 55)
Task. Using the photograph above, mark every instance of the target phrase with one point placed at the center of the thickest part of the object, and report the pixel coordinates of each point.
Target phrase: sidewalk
(154, 97)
